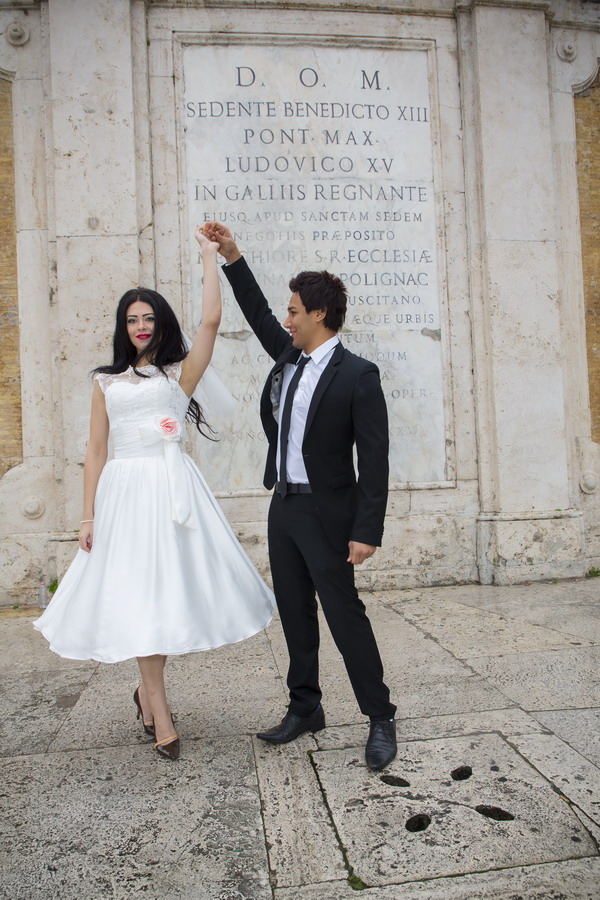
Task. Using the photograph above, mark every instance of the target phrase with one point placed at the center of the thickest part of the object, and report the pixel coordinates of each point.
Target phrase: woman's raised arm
(195, 363)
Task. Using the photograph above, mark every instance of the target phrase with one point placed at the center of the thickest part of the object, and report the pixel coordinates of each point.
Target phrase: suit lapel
(331, 370)
(276, 379)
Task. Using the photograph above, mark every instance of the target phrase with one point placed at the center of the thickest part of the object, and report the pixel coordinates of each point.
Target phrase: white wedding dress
(166, 573)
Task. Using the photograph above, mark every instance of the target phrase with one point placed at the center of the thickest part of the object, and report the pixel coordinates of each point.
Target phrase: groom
(319, 401)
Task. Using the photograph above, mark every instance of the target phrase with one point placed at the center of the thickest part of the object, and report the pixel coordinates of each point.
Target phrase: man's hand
(359, 552)
(228, 248)
(205, 243)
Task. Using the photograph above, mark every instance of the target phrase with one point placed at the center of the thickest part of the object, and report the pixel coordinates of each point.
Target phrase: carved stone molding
(17, 33)
(33, 507)
(589, 482)
(567, 50)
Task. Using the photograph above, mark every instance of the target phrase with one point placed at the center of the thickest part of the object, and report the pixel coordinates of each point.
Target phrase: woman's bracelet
(85, 520)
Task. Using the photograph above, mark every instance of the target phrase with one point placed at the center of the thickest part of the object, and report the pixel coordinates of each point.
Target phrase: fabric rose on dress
(168, 427)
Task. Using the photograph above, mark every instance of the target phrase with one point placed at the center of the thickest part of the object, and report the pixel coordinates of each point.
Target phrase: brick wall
(587, 115)
(11, 442)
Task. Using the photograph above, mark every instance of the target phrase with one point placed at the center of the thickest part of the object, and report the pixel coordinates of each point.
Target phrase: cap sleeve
(103, 380)
(173, 370)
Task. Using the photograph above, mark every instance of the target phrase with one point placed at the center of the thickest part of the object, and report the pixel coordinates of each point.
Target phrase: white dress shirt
(296, 470)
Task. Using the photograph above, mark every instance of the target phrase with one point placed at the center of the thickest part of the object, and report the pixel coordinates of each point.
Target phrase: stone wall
(123, 139)
(587, 109)
(11, 441)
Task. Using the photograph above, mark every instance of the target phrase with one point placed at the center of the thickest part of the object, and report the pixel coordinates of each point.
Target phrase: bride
(159, 571)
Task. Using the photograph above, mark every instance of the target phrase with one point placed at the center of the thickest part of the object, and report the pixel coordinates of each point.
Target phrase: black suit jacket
(347, 408)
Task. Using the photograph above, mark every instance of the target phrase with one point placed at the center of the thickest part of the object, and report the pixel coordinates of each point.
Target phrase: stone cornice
(391, 7)
(573, 13)
(544, 6)
(20, 4)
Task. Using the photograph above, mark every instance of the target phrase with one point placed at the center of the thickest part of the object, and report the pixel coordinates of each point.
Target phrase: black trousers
(304, 561)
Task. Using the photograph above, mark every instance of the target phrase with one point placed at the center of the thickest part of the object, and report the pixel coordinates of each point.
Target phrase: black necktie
(284, 426)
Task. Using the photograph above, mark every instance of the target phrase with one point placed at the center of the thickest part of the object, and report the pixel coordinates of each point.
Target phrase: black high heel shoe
(169, 748)
(148, 726)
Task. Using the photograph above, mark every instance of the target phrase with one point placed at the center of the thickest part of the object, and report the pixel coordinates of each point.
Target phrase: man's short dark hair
(322, 290)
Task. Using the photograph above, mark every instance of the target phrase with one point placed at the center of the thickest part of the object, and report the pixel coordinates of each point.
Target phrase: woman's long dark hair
(166, 345)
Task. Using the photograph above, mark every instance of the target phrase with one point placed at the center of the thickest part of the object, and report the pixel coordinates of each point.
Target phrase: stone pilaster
(94, 166)
(527, 522)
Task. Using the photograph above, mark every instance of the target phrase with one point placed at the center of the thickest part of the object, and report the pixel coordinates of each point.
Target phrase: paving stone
(559, 679)
(577, 879)
(592, 827)
(571, 607)
(204, 689)
(35, 705)
(101, 816)
(571, 774)
(461, 694)
(23, 649)
(424, 678)
(580, 728)
(469, 632)
(124, 823)
(502, 721)
(302, 843)
(372, 815)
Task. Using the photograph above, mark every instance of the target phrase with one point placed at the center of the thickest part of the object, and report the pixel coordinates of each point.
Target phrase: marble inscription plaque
(320, 157)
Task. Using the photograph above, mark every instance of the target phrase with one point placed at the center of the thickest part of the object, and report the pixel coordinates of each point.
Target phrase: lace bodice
(134, 403)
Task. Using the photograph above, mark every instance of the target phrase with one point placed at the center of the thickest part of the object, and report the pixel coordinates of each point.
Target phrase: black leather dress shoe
(292, 726)
(381, 747)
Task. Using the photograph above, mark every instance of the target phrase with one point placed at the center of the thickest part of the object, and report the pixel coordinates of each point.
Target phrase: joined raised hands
(221, 235)
(204, 240)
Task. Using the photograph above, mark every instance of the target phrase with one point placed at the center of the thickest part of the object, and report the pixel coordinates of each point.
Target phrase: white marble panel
(321, 158)
(35, 313)
(452, 162)
(463, 435)
(516, 157)
(524, 301)
(143, 143)
(30, 154)
(93, 131)
(93, 274)
(170, 240)
(532, 456)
